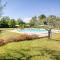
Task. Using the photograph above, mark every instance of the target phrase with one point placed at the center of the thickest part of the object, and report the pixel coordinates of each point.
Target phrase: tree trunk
(49, 33)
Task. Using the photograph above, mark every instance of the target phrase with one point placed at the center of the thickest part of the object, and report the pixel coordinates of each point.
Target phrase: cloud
(26, 20)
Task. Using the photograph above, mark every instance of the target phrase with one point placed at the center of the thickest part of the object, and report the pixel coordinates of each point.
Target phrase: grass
(39, 49)
(56, 36)
(6, 28)
(6, 34)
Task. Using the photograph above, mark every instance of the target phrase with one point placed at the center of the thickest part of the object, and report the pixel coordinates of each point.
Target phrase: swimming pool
(30, 30)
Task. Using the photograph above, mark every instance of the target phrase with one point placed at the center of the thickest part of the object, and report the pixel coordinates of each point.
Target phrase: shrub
(2, 42)
(30, 37)
(22, 37)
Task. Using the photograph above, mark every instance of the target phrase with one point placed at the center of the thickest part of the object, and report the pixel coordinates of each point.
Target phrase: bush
(30, 37)
(22, 37)
(2, 42)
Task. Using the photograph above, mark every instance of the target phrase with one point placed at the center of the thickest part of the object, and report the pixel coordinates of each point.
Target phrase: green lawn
(6, 28)
(39, 49)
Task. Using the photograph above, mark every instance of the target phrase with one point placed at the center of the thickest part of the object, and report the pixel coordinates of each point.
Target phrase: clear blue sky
(29, 8)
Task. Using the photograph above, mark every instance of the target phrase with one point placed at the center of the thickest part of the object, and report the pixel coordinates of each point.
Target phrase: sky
(25, 9)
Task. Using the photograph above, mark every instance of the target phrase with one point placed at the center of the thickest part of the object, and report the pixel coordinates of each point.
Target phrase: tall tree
(2, 7)
(12, 23)
(19, 21)
(1, 10)
(42, 19)
(57, 24)
(4, 23)
(52, 20)
(33, 21)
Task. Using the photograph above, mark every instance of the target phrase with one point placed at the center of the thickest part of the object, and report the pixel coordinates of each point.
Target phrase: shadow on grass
(24, 54)
(54, 39)
(55, 55)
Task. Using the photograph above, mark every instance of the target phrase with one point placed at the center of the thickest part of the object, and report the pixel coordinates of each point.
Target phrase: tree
(52, 20)
(12, 23)
(33, 21)
(42, 19)
(57, 25)
(2, 7)
(19, 21)
(3, 23)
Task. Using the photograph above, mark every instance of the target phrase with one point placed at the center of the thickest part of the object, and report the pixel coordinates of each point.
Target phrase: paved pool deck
(39, 34)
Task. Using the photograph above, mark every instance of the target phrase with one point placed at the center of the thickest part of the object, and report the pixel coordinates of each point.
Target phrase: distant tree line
(43, 20)
(7, 22)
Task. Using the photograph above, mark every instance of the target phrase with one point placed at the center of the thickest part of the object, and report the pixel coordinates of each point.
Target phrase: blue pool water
(32, 30)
